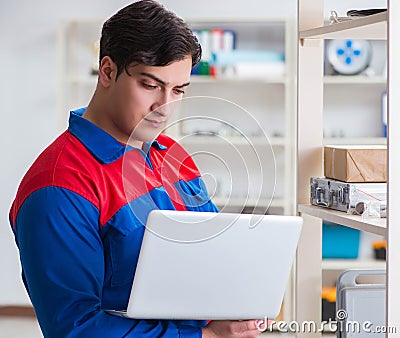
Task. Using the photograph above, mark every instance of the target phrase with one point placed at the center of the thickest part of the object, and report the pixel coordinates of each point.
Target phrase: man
(79, 214)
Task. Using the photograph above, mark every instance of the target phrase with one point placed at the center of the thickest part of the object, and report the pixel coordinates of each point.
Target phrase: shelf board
(237, 79)
(345, 264)
(250, 202)
(372, 27)
(234, 140)
(354, 79)
(372, 225)
(355, 140)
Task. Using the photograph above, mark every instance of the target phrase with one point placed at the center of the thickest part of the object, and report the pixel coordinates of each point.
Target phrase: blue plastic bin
(339, 241)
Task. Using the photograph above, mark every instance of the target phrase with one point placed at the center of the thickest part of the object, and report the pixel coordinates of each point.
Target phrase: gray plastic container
(361, 306)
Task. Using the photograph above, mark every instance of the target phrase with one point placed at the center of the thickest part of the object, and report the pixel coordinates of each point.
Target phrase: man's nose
(162, 105)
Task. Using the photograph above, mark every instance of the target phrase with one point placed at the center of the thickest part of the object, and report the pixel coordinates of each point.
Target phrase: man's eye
(146, 85)
(179, 91)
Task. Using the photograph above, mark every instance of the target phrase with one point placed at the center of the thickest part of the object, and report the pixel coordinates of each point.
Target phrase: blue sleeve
(62, 257)
(195, 196)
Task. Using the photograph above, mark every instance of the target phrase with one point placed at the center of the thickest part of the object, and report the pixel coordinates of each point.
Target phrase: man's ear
(107, 71)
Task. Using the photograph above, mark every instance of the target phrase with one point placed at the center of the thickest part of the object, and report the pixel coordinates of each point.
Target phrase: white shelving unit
(371, 27)
(345, 264)
(353, 105)
(268, 99)
(354, 100)
(229, 80)
(354, 79)
(312, 32)
(355, 140)
(373, 225)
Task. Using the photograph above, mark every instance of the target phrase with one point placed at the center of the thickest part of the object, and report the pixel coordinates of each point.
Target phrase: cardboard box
(355, 164)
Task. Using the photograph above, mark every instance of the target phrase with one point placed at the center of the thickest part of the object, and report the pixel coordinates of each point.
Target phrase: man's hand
(231, 329)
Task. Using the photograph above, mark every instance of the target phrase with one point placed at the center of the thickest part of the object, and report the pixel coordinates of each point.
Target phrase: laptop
(215, 266)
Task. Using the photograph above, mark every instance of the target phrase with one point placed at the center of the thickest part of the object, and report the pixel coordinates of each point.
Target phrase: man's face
(138, 103)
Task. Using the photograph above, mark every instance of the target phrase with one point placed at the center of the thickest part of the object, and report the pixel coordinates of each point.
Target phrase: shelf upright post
(61, 75)
(309, 163)
(290, 116)
(393, 221)
(289, 148)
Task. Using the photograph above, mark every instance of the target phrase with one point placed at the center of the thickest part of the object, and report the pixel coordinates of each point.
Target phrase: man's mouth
(154, 122)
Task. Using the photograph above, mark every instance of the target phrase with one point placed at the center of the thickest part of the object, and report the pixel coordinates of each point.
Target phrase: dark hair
(146, 32)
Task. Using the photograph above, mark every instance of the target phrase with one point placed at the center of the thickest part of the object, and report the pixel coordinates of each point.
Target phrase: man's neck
(95, 113)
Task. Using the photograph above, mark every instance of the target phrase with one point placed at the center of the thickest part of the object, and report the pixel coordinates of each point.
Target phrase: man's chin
(144, 137)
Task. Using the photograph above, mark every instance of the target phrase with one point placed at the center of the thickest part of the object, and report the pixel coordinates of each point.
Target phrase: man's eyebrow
(155, 78)
(183, 85)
